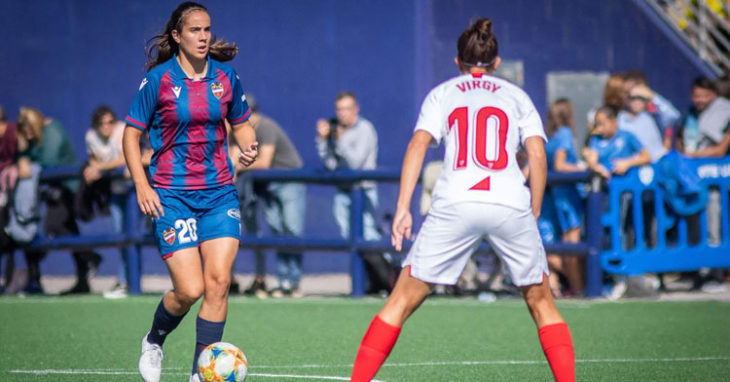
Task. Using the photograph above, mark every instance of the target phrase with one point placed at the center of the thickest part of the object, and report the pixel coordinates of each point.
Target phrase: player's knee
(217, 284)
(188, 295)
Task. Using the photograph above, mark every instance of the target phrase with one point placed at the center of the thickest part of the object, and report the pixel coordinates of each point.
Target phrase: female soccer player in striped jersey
(183, 103)
(480, 194)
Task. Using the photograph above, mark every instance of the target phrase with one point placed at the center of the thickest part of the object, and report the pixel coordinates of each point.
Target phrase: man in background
(350, 141)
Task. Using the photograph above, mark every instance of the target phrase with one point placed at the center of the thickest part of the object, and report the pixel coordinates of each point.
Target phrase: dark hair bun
(477, 45)
(483, 26)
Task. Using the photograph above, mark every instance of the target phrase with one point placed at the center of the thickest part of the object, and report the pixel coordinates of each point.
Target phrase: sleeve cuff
(134, 123)
(242, 119)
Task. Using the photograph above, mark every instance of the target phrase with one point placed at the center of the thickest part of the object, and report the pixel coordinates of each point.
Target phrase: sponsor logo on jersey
(176, 90)
(169, 235)
(217, 89)
(234, 213)
(144, 82)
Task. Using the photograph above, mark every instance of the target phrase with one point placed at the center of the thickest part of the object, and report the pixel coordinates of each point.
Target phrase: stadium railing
(669, 247)
(133, 238)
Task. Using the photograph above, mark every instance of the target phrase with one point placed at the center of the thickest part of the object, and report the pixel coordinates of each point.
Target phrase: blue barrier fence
(667, 247)
(133, 238)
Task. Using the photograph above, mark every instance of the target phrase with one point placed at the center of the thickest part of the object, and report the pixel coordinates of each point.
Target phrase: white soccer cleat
(150, 362)
(194, 378)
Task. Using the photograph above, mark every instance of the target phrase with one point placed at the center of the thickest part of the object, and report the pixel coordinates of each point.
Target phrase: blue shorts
(568, 207)
(194, 216)
(547, 223)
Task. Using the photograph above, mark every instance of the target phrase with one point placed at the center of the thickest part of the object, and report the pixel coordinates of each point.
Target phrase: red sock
(374, 349)
(558, 348)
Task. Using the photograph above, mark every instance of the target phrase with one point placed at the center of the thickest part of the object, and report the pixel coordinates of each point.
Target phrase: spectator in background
(8, 179)
(712, 115)
(351, 142)
(613, 93)
(284, 203)
(104, 146)
(562, 157)
(651, 119)
(46, 143)
(647, 115)
(705, 133)
(611, 150)
(614, 151)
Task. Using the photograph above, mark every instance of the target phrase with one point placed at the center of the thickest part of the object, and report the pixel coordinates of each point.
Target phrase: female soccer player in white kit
(482, 120)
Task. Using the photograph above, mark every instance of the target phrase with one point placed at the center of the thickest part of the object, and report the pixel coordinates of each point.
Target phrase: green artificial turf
(92, 339)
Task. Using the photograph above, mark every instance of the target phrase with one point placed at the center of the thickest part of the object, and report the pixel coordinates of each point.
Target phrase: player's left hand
(248, 156)
(402, 224)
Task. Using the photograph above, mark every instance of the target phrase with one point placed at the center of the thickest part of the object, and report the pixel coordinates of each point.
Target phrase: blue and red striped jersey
(186, 126)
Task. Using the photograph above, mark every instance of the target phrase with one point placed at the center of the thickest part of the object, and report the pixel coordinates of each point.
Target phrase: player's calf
(553, 332)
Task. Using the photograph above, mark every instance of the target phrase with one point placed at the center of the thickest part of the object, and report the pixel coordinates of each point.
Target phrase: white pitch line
(112, 372)
(504, 362)
(397, 364)
(330, 377)
(74, 372)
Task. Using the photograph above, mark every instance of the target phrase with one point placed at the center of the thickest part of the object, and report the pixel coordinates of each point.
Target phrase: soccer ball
(222, 361)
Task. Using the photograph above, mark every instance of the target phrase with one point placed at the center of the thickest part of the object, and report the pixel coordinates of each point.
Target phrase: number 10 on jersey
(490, 137)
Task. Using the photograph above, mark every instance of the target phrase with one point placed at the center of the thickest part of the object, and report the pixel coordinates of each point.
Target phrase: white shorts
(450, 234)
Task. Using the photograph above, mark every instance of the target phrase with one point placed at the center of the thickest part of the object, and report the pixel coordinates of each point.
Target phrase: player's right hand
(149, 202)
(402, 224)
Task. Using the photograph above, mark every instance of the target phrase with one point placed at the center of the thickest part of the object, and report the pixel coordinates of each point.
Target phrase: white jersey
(481, 120)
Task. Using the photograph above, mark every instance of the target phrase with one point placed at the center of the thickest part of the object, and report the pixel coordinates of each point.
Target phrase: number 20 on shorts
(188, 229)
(490, 138)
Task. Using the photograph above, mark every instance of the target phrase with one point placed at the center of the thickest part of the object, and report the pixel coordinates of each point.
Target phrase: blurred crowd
(37, 142)
(634, 126)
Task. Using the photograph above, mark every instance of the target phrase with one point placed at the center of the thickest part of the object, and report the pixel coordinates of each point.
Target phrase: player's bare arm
(147, 198)
(535, 147)
(412, 163)
(246, 139)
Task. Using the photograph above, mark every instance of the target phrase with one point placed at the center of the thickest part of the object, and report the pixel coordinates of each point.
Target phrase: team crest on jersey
(217, 89)
(169, 235)
(176, 90)
(234, 213)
